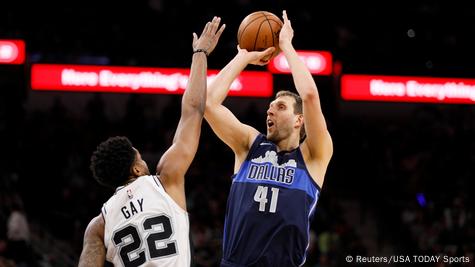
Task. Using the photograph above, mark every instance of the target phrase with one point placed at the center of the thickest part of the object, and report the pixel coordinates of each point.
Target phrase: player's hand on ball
(209, 37)
(260, 58)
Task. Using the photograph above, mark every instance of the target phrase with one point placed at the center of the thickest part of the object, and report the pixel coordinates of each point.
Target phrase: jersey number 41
(261, 197)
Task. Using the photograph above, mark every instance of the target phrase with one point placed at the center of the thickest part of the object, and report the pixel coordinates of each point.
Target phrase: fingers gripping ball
(259, 31)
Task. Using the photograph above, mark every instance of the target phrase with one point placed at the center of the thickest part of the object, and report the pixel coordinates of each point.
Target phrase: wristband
(200, 50)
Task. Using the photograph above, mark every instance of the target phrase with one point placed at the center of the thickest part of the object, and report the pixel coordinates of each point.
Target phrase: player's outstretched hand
(209, 37)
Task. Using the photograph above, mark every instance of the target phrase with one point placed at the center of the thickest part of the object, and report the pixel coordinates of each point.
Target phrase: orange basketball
(259, 31)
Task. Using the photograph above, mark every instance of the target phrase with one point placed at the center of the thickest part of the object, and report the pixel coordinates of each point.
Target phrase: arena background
(401, 177)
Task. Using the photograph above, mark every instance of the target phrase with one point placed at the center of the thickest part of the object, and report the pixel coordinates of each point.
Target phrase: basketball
(259, 31)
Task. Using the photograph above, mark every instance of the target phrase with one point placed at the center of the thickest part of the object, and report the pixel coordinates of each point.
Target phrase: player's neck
(287, 144)
(130, 180)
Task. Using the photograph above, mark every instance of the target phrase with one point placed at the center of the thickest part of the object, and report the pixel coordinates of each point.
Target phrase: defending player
(145, 221)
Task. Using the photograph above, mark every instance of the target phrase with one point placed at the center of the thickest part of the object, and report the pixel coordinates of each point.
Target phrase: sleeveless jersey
(269, 208)
(145, 227)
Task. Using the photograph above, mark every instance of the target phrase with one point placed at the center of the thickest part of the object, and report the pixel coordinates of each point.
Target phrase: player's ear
(136, 171)
(299, 120)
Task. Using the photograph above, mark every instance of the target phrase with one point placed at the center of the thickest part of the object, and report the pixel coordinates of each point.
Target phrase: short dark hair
(298, 100)
(112, 161)
(298, 108)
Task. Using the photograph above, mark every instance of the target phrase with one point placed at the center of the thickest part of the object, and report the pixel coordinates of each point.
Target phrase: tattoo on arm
(94, 251)
(93, 254)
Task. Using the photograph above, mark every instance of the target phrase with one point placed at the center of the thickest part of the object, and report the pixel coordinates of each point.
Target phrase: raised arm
(318, 142)
(228, 128)
(176, 160)
(93, 251)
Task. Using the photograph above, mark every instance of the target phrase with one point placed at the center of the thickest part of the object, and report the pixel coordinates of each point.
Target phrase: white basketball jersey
(145, 227)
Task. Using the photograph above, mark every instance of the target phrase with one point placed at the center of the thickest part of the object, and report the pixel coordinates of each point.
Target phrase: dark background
(401, 177)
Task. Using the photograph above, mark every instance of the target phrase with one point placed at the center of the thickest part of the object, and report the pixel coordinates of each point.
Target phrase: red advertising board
(318, 62)
(12, 52)
(407, 89)
(81, 78)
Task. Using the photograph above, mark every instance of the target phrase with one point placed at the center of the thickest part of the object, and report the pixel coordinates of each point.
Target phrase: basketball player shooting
(278, 177)
(145, 221)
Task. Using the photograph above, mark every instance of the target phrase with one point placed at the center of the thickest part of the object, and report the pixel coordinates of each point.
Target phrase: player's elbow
(211, 99)
(310, 94)
(194, 103)
(210, 106)
(200, 108)
(172, 171)
(193, 108)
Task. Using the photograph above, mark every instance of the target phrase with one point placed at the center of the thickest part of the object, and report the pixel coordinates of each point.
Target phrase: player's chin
(270, 136)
